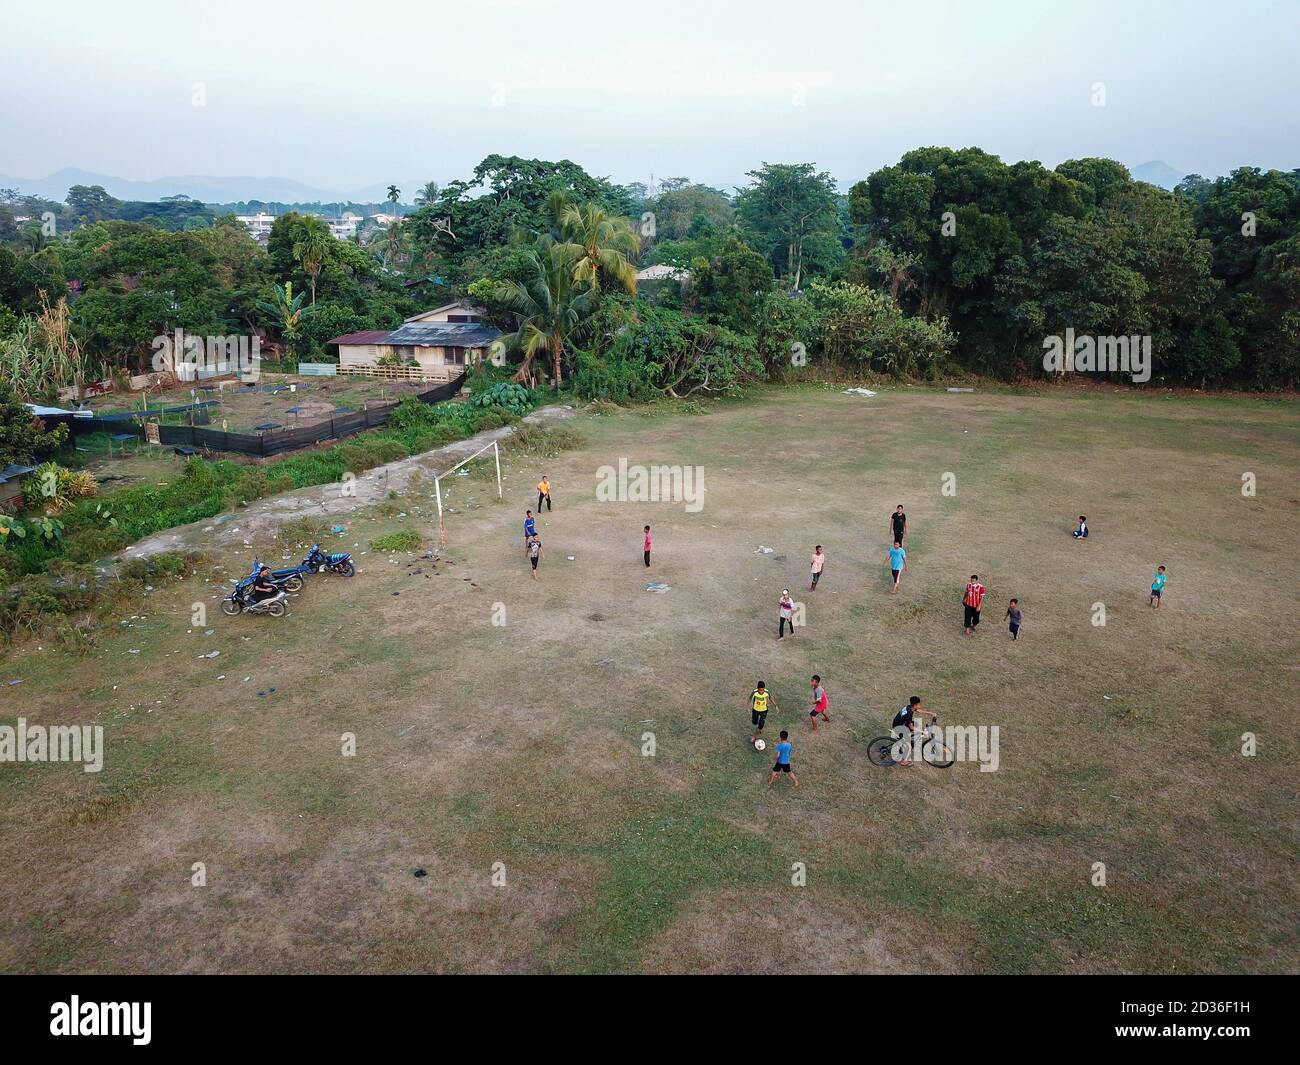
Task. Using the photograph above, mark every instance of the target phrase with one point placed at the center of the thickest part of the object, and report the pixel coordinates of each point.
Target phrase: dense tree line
(948, 258)
(1015, 253)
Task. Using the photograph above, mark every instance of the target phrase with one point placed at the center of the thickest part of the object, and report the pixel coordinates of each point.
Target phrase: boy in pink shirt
(818, 564)
(647, 546)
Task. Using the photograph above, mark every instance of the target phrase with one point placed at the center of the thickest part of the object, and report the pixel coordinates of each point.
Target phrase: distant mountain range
(286, 190)
(200, 187)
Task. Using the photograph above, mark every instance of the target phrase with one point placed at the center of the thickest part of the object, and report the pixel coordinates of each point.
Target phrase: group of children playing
(533, 542)
(760, 698)
(972, 603)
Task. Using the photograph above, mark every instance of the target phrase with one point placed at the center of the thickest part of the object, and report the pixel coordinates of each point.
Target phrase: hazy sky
(344, 95)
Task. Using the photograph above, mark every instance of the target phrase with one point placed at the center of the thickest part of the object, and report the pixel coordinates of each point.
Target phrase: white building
(258, 225)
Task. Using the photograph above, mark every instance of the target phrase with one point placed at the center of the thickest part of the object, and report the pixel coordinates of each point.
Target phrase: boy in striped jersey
(971, 601)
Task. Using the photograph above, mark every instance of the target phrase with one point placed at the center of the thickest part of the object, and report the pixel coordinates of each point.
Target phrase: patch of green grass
(404, 540)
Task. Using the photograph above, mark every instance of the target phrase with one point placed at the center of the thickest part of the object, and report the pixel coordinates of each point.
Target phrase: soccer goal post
(437, 483)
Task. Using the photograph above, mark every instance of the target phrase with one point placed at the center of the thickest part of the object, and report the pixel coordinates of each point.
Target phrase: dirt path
(263, 517)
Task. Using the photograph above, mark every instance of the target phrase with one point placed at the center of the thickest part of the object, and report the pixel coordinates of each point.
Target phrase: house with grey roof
(437, 343)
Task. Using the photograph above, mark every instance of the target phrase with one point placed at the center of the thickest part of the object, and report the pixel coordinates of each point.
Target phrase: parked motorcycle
(242, 602)
(288, 579)
(340, 563)
(240, 598)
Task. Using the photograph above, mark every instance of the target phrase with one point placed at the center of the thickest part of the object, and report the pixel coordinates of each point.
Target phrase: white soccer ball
(760, 745)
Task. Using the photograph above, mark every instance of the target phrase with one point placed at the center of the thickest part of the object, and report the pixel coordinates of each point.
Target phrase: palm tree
(286, 312)
(393, 193)
(604, 248)
(312, 252)
(427, 194)
(549, 308)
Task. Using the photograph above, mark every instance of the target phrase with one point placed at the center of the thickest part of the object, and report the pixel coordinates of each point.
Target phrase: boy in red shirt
(971, 601)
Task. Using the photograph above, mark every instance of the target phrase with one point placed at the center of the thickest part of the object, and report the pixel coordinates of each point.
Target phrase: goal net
(467, 484)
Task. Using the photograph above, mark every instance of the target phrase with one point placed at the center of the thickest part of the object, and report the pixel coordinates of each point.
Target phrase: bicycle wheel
(881, 751)
(935, 753)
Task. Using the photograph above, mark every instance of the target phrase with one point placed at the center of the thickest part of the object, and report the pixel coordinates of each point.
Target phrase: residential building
(453, 335)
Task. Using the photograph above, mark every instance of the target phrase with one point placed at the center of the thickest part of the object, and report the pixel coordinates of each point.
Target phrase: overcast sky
(345, 95)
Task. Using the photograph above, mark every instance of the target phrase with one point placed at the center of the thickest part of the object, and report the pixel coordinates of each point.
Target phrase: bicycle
(934, 752)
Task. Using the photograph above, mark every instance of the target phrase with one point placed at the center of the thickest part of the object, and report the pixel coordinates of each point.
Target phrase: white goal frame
(437, 484)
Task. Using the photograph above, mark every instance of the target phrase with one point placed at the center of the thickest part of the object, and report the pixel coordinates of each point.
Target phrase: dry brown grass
(520, 743)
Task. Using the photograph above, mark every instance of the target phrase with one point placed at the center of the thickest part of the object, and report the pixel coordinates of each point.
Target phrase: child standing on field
(534, 552)
(648, 544)
(530, 528)
(971, 604)
(787, 616)
(1013, 614)
(1158, 586)
(818, 564)
(897, 563)
(783, 750)
(819, 702)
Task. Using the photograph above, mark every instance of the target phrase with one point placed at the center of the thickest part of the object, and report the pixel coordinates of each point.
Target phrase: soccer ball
(760, 745)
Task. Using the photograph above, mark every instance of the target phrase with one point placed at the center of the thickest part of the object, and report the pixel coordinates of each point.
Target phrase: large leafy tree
(678, 208)
(505, 195)
(729, 286)
(790, 212)
(549, 307)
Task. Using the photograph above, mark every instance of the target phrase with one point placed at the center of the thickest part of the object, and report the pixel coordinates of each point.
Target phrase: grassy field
(521, 743)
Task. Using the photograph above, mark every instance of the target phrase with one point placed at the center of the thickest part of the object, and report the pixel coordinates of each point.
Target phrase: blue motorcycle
(319, 561)
(241, 598)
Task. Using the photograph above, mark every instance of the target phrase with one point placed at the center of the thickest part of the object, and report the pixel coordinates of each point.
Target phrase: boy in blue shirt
(1158, 586)
(897, 563)
(783, 750)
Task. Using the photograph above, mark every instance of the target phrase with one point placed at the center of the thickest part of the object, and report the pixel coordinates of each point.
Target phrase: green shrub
(405, 540)
(542, 441)
(509, 395)
(361, 455)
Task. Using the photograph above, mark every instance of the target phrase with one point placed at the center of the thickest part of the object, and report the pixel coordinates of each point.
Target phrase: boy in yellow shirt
(543, 493)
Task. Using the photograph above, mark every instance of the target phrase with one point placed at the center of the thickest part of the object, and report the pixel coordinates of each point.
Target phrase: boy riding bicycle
(906, 719)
